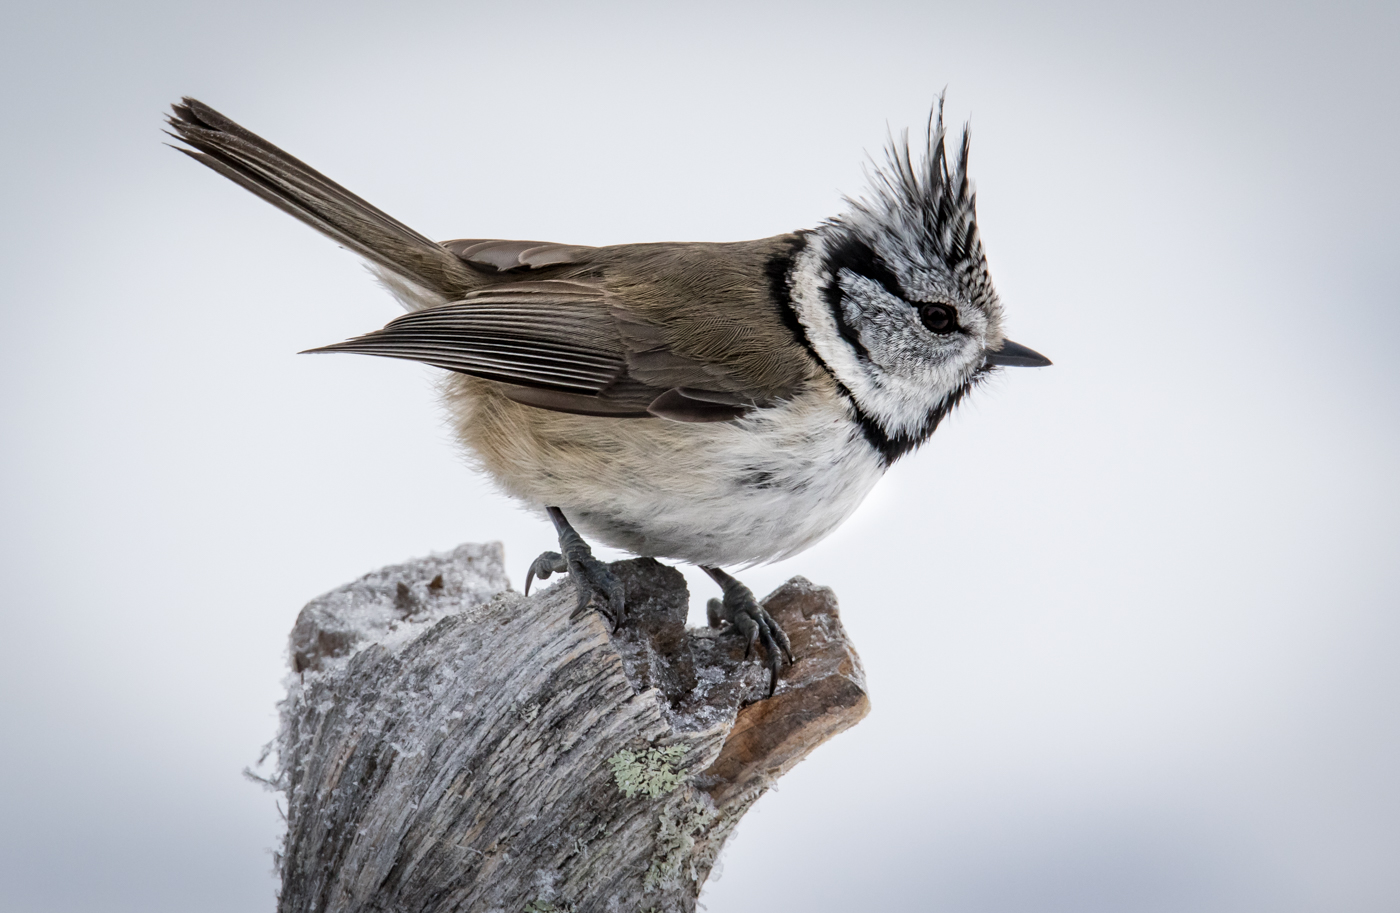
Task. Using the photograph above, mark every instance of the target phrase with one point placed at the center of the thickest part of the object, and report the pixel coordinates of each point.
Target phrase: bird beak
(1014, 355)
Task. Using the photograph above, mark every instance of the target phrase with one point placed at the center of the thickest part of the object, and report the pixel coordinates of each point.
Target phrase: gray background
(1129, 622)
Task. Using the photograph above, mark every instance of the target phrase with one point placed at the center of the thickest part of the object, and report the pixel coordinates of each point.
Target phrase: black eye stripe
(856, 256)
(850, 253)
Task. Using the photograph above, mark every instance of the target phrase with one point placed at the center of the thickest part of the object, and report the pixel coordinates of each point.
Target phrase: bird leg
(751, 620)
(592, 579)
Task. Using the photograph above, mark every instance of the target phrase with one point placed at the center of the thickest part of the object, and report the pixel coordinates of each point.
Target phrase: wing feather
(551, 335)
(583, 342)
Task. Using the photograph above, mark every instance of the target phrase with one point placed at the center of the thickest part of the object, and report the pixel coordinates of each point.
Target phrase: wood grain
(449, 745)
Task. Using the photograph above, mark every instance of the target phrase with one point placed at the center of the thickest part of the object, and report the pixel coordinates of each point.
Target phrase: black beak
(1014, 355)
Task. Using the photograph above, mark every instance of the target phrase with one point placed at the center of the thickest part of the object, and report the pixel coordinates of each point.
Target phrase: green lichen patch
(652, 772)
(543, 906)
(681, 823)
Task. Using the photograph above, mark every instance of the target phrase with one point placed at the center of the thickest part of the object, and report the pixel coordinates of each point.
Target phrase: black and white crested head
(895, 294)
(921, 218)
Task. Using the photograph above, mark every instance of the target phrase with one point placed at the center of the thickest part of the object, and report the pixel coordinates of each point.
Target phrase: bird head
(897, 298)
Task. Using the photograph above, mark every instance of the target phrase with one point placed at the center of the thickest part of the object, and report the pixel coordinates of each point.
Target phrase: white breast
(726, 493)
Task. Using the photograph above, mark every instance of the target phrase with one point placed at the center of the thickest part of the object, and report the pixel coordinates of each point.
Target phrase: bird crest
(920, 214)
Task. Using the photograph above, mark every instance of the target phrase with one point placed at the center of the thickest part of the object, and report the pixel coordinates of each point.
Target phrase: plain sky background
(1130, 623)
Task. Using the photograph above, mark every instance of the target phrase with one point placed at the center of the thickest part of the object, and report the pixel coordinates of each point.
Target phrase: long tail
(294, 187)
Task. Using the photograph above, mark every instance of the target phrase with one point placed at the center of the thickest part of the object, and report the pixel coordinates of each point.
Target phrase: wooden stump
(449, 745)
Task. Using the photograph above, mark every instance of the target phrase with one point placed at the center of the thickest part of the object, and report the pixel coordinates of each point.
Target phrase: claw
(617, 605)
(593, 582)
(773, 637)
(752, 621)
(544, 567)
(781, 637)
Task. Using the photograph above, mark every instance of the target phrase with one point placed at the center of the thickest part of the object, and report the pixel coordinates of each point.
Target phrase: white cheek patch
(908, 368)
(889, 327)
(905, 371)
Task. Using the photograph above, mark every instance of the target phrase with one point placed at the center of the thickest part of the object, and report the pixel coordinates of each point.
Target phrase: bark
(449, 745)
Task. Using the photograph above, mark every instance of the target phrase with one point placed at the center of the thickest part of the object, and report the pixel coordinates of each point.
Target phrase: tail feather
(299, 190)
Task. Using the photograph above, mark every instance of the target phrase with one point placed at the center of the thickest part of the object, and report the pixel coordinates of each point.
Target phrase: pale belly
(724, 493)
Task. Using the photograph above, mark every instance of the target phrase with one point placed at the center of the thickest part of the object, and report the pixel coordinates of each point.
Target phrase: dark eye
(939, 318)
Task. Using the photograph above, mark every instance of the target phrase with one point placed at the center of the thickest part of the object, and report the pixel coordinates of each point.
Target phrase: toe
(544, 567)
(781, 637)
(598, 587)
(769, 634)
(617, 605)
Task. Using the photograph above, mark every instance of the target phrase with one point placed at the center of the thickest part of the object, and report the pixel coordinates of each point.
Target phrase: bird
(718, 404)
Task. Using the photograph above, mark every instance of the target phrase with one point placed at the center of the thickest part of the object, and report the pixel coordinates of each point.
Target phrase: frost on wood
(448, 745)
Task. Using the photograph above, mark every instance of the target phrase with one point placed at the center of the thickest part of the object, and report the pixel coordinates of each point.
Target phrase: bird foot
(594, 583)
(740, 609)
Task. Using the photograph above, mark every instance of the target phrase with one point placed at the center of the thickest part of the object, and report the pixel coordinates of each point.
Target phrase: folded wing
(562, 345)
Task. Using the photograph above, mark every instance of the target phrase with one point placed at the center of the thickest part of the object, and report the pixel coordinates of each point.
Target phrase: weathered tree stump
(449, 745)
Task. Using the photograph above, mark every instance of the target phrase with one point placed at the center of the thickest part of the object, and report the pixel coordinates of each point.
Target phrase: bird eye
(939, 318)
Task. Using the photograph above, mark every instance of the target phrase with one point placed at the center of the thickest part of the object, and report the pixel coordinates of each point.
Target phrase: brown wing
(552, 336)
(608, 334)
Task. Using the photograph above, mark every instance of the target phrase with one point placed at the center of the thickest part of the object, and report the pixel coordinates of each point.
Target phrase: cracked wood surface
(449, 745)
